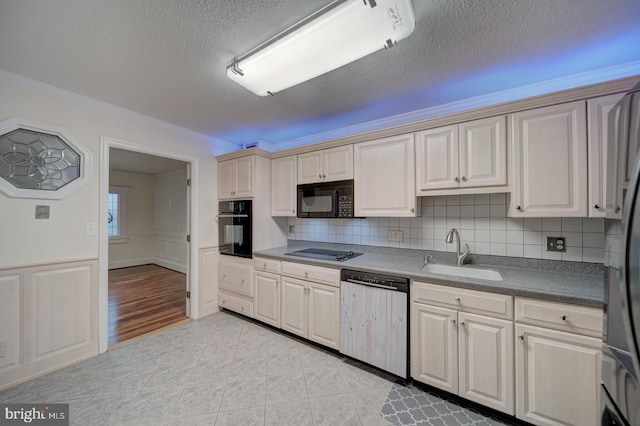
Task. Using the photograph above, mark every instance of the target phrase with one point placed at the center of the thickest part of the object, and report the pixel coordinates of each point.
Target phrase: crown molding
(217, 146)
(574, 81)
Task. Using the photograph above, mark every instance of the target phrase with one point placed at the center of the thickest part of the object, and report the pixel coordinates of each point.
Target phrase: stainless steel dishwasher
(374, 320)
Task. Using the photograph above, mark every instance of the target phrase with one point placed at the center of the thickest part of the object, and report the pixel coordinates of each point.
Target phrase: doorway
(146, 257)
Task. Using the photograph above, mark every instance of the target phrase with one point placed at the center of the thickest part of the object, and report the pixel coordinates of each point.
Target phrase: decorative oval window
(40, 161)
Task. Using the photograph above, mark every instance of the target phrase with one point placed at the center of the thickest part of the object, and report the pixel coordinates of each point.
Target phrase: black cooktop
(340, 256)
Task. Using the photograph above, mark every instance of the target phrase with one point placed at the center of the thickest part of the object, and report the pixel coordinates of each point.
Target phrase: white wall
(61, 240)
(140, 216)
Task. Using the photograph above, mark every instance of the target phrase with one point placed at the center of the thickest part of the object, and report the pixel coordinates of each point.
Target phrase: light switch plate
(42, 212)
(396, 236)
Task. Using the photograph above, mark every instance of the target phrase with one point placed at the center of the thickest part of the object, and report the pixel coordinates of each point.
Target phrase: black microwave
(326, 199)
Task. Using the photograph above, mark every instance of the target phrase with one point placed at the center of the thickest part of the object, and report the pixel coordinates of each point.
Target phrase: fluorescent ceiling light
(340, 33)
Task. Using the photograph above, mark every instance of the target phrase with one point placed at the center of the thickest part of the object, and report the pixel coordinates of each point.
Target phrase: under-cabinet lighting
(340, 33)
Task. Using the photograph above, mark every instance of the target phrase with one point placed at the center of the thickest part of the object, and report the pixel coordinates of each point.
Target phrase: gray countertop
(573, 282)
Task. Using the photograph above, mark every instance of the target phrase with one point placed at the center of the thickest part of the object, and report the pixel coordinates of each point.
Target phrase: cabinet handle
(464, 178)
(596, 206)
(324, 176)
(618, 208)
(224, 302)
(242, 282)
(264, 265)
(518, 208)
(457, 299)
(320, 176)
(521, 337)
(453, 321)
(462, 323)
(457, 179)
(306, 274)
(242, 308)
(412, 210)
(293, 211)
(563, 317)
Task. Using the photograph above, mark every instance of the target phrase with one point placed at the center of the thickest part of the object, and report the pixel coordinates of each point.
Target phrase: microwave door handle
(337, 206)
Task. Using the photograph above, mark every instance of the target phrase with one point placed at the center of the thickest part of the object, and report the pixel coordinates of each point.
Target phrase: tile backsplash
(482, 222)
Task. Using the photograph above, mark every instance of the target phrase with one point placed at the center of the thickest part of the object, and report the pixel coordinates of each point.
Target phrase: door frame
(192, 212)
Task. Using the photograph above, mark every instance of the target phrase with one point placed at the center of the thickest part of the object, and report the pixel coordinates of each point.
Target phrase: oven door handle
(232, 215)
(387, 287)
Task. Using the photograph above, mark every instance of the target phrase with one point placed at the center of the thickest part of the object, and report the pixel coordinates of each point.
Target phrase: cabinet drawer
(560, 316)
(235, 304)
(474, 301)
(237, 278)
(267, 265)
(312, 273)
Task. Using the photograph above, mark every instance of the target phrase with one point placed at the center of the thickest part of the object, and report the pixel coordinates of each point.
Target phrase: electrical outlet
(556, 244)
(3, 348)
(396, 236)
(292, 229)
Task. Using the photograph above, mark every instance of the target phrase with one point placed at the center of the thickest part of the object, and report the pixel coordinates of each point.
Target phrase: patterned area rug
(408, 406)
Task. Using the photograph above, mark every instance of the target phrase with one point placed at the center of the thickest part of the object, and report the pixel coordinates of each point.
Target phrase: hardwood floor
(143, 299)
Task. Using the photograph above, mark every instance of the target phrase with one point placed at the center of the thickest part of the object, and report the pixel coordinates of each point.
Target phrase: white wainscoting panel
(48, 318)
(208, 284)
(171, 251)
(10, 310)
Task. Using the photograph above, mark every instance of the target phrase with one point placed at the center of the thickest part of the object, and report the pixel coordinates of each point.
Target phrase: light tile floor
(225, 370)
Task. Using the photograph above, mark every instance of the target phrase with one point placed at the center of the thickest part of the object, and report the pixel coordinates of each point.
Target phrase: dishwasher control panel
(375, 279)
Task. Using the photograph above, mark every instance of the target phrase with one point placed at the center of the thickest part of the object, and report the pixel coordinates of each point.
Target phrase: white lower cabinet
(558, 370)
(235, 283)
(311, 310)
(463, 353)
(267, 299)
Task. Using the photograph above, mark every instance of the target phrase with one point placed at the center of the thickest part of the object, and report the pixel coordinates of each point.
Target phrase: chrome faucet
(460, 256)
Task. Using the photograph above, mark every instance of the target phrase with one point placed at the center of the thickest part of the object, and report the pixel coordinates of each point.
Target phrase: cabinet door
(310, 167)
(437, 158)
(557, 377)
(597, 131)
(486, 361)
(226, 179)
(384, 177)
(483, 152)
(244, 176)
(338, 163)
(283, 186)
(618, 128)
(267, 299)
(324, 315)
(550, 162)
(236, 277)
(434, 346)
(294, 306)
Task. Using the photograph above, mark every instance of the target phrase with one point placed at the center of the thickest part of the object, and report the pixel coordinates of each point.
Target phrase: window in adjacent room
(117, 216)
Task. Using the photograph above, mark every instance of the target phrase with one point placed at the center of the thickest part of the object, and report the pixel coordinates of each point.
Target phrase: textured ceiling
(167, 58)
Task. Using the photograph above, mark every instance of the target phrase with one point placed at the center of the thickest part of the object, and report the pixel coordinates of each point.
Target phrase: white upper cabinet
(466, 155)
(283, 186)
(384, 177)
(235, 178)
(550, 161)
(598, 112)
(326, 165)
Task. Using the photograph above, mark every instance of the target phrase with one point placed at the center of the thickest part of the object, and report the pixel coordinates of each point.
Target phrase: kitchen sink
(463, 271)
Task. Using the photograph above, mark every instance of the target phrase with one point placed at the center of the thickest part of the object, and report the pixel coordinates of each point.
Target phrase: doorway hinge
(188, 182)
(188, 238)
(188, 295)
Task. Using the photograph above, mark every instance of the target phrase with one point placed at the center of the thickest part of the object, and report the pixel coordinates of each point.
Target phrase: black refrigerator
(620, 396)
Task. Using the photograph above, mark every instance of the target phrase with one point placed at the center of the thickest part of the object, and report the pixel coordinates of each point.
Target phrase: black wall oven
(234, 228)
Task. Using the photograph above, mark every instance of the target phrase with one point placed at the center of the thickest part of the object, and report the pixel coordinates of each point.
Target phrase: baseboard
(131, 262)
(174, 266)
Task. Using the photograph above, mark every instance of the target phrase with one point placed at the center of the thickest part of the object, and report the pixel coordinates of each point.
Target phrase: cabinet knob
(464, 178)
(242, 308)
(306, 274)
(412, 210)
(521, 337)
(457, 179)
(293, 211)
(453, 321)
(242, 282)
(563, 317)
(596, 206)
(264, 265)
(618, 208)
(224, 301)
(457, 299)
(324, 176)
(320, 176)
(462, 323)
(518, 208)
